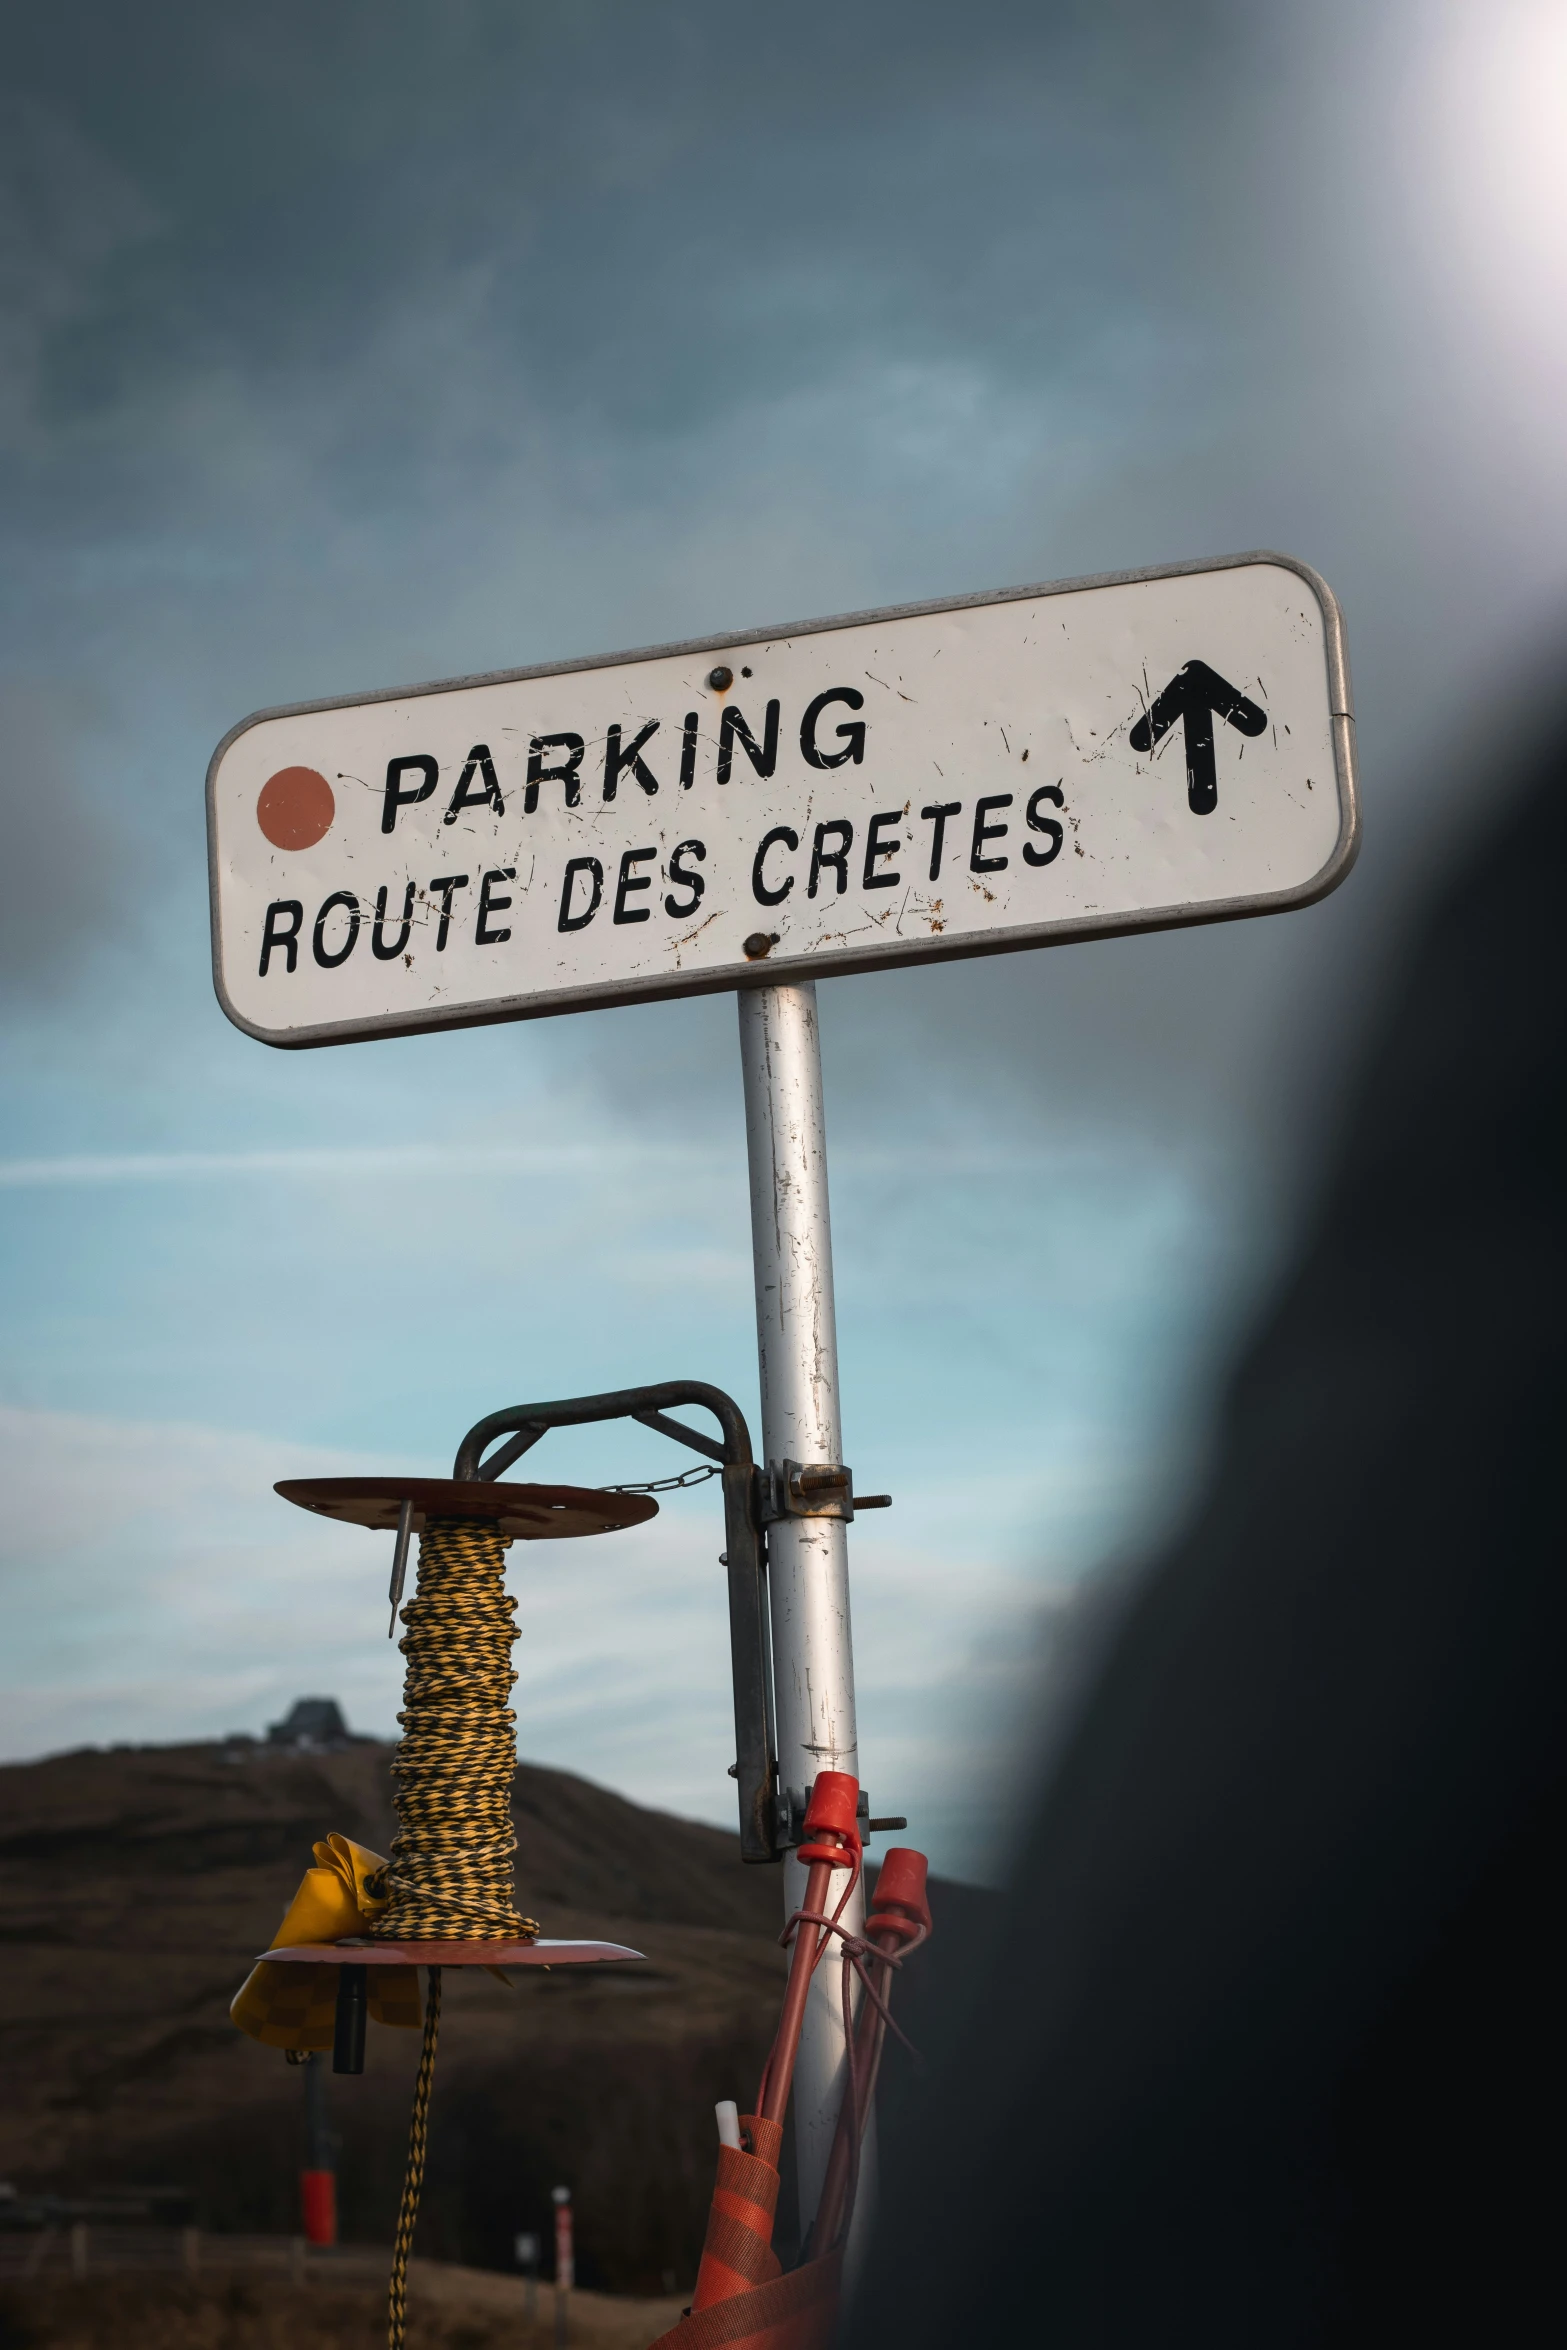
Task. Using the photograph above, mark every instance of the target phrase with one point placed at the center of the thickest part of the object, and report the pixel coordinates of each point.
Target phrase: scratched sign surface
(994, 773)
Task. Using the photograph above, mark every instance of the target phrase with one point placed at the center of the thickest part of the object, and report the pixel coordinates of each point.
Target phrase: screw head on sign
(759, 945)
(720, 679)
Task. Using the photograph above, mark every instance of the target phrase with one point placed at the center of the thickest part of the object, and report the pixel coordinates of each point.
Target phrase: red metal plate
(525, 1513)
(452, 1953)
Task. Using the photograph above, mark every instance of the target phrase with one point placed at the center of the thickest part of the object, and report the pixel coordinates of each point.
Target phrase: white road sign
(994, 772)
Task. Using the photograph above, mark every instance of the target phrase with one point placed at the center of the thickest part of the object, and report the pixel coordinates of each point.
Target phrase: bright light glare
(1499, 85)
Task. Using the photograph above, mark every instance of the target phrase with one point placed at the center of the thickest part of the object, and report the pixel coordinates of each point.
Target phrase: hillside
(135, 1887)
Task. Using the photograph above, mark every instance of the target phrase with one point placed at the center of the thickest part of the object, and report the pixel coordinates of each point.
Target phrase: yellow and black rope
(451, 1874)
(413, 2175)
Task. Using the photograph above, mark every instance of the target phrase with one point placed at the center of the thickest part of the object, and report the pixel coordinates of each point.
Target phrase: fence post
(526, 2248)
(565, 2265)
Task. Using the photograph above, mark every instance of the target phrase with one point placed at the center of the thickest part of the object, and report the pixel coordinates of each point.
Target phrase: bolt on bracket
(811, 1489)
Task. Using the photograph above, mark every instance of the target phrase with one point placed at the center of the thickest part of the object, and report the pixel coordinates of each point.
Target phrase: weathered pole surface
(808, 1566)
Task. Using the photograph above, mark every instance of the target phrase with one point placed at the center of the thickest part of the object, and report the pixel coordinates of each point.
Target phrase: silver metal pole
(808, 1565)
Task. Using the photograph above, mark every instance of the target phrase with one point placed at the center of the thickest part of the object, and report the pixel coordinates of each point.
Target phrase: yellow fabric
(295, 2006)
(342, 1894)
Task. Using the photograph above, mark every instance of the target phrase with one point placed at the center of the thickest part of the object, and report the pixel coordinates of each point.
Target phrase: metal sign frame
(827, 962)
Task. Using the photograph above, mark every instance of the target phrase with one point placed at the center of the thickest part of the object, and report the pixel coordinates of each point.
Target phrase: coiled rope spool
(451, 1878)
(452, 1873)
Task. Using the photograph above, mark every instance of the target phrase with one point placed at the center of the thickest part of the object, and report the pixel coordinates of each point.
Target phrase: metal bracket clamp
(812, 1489)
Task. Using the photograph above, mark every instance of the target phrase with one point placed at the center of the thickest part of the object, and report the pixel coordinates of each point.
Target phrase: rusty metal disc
(524, 1513)
(544, 1954)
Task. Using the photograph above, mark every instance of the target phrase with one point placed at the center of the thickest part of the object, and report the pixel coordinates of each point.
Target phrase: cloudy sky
(344, 346)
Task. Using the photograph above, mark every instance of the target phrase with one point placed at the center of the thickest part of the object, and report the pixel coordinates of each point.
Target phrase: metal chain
(696, 1476)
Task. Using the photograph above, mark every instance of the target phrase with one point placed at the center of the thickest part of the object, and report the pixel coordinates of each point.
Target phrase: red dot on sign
(296, 808)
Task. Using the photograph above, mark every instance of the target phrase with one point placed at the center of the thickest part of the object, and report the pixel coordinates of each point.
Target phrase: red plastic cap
(900, 1887)
(834, 1804)
(318, 2205)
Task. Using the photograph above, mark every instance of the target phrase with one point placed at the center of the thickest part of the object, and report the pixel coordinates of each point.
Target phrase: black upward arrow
(1193, 694)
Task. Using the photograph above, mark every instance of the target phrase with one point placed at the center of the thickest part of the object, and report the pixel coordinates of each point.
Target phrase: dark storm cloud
(374, 256)
(648, 212)
(64, 846)
(65, 213)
